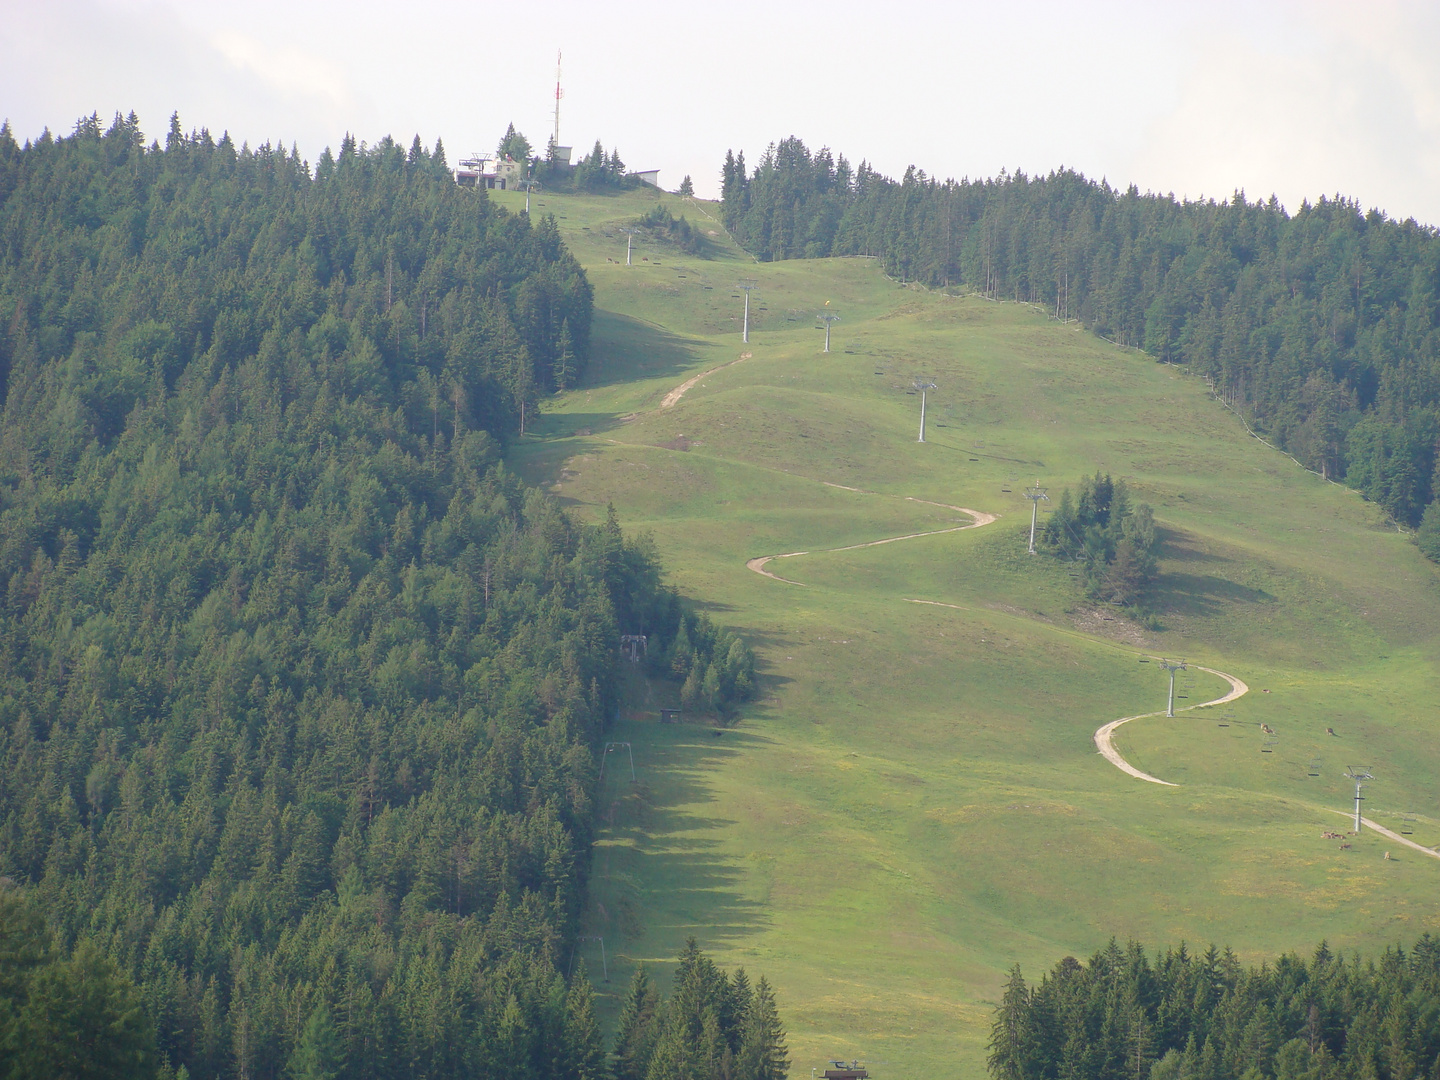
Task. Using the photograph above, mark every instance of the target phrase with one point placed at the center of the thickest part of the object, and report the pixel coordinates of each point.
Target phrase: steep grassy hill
(916, 803)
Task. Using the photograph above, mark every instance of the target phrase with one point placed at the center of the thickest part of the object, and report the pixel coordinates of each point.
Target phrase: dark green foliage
(1116, 542)
(1306, 322)
(1184, 1017)
(662, 224)
(687, 187)
(712, 1025)
(714, 667)
(65, 1016)
(598, 171)
(1428, 534)
(319, 1054)
(515, 146)
(299, 687)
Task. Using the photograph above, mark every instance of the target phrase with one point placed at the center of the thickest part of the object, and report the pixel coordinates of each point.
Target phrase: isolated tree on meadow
(687, 187)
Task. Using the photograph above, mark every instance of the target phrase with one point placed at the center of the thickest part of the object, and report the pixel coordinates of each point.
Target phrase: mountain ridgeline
(1322, 326)
(300, 688)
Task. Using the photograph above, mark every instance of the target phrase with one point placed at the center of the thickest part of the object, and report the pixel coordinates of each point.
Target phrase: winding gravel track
(981, 518)
(1104, 738)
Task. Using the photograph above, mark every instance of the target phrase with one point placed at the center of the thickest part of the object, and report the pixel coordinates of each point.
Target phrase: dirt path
(675, 395)
(1104, 738)
(981, 518)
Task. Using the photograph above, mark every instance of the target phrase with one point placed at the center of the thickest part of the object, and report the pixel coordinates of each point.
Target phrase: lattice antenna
(558, 95)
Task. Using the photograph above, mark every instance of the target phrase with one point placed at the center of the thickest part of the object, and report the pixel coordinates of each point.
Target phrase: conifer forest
(300, 688)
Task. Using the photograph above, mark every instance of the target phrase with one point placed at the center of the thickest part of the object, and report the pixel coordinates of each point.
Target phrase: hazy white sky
(1284, 96)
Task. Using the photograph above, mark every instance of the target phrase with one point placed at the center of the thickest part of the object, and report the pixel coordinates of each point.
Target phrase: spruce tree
(636, 1031)
(319, 1054)
(1011, 1035)
(763, 1053)
(584, 1046)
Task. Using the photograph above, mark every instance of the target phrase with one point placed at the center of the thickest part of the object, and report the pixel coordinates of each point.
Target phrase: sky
(1298, 99)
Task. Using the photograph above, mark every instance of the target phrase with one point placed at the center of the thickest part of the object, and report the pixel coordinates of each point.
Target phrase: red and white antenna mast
(558, 95)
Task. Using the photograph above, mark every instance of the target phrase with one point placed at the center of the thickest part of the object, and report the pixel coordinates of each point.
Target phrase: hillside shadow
(624, 349)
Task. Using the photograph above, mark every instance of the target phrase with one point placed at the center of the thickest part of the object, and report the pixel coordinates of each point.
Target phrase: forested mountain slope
(1323, 326)
(298, 686)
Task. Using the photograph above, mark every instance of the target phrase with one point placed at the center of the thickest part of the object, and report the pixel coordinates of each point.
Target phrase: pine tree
(1011, 1036)
(636, 1031)
(318, 1055)
(763, 1054)
(687, 187)
(584, 1046)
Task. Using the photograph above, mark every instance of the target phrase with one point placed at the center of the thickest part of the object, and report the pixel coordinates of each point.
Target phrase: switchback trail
(981, 518)
(1104, 738)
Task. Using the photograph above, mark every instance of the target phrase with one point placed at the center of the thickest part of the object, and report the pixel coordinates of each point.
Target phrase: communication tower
(558, 95)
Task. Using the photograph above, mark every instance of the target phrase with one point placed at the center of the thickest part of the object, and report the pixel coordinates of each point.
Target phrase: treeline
(712, 1026)
(1114, 541)
(300, 688)
(596, 171)
(1322, 326)
(1124, 1016)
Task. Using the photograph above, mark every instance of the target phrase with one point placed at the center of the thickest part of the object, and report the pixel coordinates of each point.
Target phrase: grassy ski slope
(915, 803)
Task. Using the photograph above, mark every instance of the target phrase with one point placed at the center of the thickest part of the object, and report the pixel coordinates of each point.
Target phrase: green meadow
(913, 803)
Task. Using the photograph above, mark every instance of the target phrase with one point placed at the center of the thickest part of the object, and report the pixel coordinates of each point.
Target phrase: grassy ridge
(915, 803)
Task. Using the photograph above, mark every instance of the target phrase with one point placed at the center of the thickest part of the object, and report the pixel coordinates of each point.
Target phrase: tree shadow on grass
(624, 349)
(1192, 591)
(661, 872)
(1181, 547)
(1202, 595)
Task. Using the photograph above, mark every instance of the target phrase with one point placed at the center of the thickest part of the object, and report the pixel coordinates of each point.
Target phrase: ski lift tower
(1172, 666)
(748, 284)
(1035, 494)
(922, 384)
(529, 184)
(1359, 773)
(828, 317)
